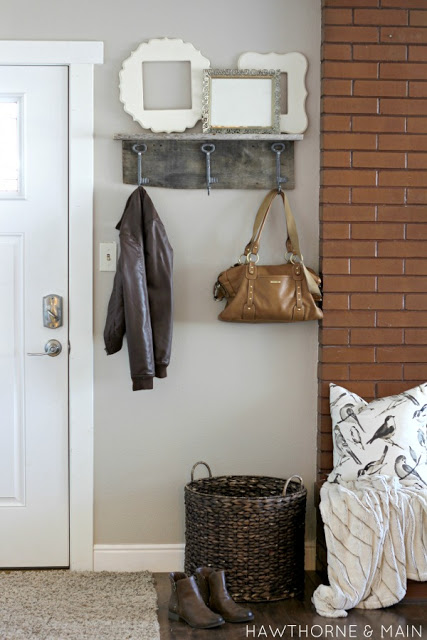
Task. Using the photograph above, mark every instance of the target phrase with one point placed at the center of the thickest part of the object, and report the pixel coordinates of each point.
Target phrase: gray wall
(241, 397)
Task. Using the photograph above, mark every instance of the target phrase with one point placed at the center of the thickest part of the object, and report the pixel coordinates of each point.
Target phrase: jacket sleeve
(115, 324)
(137, 312)
(159, 270)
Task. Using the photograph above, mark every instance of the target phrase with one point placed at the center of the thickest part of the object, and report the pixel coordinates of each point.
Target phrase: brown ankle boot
(213, 590)
(187, 604)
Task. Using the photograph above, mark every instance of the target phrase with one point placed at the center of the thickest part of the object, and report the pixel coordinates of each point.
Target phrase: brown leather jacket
(141, 300)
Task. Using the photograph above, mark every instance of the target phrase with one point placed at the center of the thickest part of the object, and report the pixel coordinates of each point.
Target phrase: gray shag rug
(60, 605)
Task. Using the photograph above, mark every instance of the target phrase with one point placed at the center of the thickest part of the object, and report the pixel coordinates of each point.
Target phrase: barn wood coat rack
(187, 161)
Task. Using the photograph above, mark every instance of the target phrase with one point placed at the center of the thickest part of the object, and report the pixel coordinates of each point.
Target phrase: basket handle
(285, 488)
(196, 465)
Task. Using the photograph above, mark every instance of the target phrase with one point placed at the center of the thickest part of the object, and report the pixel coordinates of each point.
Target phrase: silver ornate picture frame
(241, 101)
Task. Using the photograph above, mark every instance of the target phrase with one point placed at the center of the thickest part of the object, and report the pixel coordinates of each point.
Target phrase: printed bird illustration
(385, 432)
(421, 414)
(373, 467)
(355, 436)
(399, 399)
(404, 470)
(348, 412)
(343, 448)
(336, 399)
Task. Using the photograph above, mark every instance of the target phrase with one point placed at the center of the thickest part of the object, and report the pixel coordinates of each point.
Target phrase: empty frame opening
(166, 85)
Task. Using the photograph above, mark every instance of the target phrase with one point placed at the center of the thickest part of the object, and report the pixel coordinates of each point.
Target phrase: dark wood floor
(400, 621)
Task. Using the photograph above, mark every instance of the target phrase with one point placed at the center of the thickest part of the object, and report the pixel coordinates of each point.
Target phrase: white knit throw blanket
(376, 536)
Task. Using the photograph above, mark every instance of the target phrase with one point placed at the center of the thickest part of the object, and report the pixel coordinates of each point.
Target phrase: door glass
(10, 147)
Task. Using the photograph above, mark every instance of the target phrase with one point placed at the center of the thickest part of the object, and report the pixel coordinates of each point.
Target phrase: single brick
(377, 301)
(397, 142)
(365, 141)
(338, 282)
(405, 284)
(402, 248)
(335, 194)
(418, 18)
(336, 159)
(380, 17)
(349, 318)
(388, 124)
(417, 160)
(336, 231)
(336, 266)
(352, 177)
(417, 53)
(407, 35)
(333, 371)
(348, 248)
(402, 179)
(337, 52)
(379, 52)
(416, 336)
(418, 89)
(334, 336)
(415, 372)
(416, 267)
(349, 70)
(375, 371)
(379, 159)
(336, 301)
(350, 34)
(336, 87)
(401, 214)
(338, 16)
(401, 319)
(376, 336)
(417, 232)
(403, 71)
(376, 195)
(416, 125)
(416, 302)
(376, 266)
(403, 106)
(417, 196)
(353, 212)
(348, 354)
(377, 231)
(396, 88)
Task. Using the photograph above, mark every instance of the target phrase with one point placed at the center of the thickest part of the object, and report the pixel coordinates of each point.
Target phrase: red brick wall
(373, 201)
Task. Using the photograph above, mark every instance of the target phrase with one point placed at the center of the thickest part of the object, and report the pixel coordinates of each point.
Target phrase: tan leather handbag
(270, 293)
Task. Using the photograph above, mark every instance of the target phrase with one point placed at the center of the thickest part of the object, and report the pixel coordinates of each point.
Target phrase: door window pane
(10, 146)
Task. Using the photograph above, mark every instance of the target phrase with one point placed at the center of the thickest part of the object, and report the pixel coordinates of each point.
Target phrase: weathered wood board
(180, 164)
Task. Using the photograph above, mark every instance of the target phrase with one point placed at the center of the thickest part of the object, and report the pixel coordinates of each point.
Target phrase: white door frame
(80, 58)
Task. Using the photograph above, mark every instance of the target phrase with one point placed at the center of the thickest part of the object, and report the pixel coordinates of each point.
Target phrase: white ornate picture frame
(132, 86)
(295, 65)
(246, 101)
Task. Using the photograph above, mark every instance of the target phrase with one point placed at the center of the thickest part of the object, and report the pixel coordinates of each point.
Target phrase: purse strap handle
(292, 242)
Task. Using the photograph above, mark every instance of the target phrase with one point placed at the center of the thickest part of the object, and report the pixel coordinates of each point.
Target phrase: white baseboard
(158, 558)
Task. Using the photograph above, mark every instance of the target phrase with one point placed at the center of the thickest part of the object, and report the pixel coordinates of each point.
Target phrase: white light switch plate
(107, 256)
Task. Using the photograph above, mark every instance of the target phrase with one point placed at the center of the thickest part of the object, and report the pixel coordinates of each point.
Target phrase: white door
(34, 511)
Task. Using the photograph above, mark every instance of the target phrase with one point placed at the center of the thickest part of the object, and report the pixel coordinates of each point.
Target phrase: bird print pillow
(386, 436)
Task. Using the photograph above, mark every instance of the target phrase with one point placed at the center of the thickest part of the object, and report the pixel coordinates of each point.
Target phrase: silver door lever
(52, 348)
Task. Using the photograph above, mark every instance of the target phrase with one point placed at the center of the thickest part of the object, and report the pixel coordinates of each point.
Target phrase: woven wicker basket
(251, 526)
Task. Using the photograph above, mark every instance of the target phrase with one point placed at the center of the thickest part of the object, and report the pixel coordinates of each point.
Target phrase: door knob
(52, 348)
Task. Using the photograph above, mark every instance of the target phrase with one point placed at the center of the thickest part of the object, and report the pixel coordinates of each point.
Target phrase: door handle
(52, 348)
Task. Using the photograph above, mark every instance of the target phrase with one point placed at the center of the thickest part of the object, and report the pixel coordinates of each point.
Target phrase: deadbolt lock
(52, 311)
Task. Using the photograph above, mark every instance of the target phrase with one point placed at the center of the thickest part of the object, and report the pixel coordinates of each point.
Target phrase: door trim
(80, 57)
